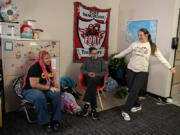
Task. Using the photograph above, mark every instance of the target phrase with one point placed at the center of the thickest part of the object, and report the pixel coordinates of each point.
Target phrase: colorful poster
(134, 26)
(91, 28)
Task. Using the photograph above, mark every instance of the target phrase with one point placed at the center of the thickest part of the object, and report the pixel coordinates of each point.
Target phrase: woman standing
(39, 87)
(137, 70)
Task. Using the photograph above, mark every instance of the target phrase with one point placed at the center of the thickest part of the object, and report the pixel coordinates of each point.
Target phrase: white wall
(56, 18)
(166, 12)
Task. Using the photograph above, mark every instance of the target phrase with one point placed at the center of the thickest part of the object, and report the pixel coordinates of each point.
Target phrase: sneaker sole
(126, 119)
(85, 115)
(136, 110)
(94, 118)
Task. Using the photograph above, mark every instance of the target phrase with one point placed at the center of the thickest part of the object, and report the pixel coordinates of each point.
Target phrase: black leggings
(143, 91)
(135, 82)
(90, 95)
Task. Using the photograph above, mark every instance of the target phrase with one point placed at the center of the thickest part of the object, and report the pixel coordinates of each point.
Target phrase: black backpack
(71, 90)
(17, 85)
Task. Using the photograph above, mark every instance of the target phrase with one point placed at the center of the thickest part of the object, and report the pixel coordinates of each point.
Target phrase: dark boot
(56, 125)
(94, 115)
(85, 110)
(48, 127)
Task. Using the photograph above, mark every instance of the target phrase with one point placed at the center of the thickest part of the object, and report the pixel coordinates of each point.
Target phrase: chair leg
(100, 100)
(104, 95)
(27, 115)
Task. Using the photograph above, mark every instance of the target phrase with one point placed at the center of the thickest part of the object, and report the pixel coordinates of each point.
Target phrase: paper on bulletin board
(53, 63)
(8, 46)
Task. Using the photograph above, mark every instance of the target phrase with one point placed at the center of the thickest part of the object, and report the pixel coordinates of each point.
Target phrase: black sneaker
(94, 115)
(56, 126)
(48, 127)
(85, 110)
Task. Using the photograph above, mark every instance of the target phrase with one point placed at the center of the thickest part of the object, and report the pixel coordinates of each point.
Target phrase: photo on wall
(91, 29)
(134, 26)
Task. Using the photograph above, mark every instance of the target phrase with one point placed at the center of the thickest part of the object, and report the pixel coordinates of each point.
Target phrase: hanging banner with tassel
(91, 29)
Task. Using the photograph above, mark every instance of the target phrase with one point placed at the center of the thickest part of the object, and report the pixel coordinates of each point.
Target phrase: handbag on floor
(69, 104)
(110, 84)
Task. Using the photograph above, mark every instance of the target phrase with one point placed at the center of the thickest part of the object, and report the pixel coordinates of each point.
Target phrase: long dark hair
(153, 45)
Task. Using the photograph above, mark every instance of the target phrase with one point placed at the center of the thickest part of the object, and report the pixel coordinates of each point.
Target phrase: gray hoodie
(98, 66)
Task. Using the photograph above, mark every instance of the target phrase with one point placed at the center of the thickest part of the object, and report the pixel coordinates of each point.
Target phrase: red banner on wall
(91, 28)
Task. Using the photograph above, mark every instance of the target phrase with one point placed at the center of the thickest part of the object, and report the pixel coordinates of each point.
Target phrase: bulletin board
(18, 55)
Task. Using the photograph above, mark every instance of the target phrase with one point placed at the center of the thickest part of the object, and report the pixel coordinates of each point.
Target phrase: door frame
(177, 35)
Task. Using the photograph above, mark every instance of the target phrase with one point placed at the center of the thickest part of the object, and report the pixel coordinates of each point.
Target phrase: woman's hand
(57, 85)
(113, 57)
(91, 74)
(173, 70)
(54, 89)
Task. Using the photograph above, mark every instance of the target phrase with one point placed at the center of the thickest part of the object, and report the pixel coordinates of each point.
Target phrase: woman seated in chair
(94, 70)
(39, 87)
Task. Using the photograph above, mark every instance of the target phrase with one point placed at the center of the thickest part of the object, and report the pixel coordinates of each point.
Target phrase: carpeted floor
(152, 120)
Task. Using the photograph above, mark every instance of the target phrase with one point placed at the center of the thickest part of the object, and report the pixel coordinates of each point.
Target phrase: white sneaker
(125, 116)
(135, 109)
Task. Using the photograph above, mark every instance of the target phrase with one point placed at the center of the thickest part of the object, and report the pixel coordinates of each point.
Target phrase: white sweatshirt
(141, 52)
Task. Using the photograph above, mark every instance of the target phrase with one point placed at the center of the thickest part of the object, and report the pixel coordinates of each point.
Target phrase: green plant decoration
(117, 63)
(122, 92)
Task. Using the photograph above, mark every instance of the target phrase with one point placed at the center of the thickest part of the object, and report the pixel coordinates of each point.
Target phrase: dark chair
(28, 108)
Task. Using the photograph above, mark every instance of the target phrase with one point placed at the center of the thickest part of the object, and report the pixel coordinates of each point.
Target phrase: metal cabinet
(17, 56)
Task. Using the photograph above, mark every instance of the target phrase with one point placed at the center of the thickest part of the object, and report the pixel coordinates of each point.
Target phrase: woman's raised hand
(113, 57)
(173, 70)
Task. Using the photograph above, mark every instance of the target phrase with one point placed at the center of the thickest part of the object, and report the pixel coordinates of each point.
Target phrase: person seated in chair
(39, 87)
(94, 70)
